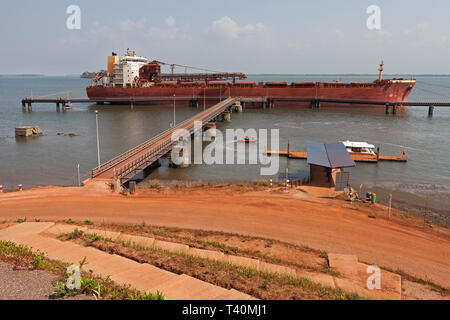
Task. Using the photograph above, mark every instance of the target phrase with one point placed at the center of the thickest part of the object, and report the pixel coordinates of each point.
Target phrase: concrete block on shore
(147, 242)
(58, 229)
(207, 254)
(171, 246)
(354, 276)
(28, 131)
(105, 234)
(274, 268)
(136, 240)
(336, 259)
(242, 261)
(325, 280)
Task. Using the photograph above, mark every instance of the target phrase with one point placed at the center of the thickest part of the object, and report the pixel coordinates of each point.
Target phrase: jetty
(391, 107)
(126, 166)
(356, 157)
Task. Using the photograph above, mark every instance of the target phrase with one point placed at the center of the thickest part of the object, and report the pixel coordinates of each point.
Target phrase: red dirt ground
(301, 218)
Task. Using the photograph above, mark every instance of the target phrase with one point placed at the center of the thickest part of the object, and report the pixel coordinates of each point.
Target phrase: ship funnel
(380, 69)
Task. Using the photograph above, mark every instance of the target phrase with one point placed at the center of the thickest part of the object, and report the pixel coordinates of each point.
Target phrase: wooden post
(78, 174)
(289, 148)
(378, 152)
(287, 179)
(430, 111)
(30, 107)
(24, 108)
(58, 107)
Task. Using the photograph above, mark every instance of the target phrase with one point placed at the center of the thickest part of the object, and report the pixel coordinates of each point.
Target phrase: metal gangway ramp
(127, 165)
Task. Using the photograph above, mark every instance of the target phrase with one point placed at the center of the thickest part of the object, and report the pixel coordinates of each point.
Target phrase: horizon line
(248, 74)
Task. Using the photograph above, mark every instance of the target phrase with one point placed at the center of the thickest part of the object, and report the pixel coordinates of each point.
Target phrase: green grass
(21, 220)
(37, 261)
(98, 287)
(88, 222)
(324, 255)
(160, 231)
(74, 234)
(252, 273)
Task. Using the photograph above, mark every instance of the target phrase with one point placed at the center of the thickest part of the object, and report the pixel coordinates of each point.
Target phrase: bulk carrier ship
(132, 76)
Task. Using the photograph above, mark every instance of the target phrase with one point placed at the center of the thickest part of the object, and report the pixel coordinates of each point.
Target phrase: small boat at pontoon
(248, 140)
(360, 148)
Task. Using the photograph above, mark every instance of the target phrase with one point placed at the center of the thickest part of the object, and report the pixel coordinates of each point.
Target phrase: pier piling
(226, 116)
(394, 109)
(237, 106)
(387, 108)
(315, 104)
(430, 111)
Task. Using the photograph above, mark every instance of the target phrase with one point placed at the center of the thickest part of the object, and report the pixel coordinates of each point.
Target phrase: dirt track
(324, 224)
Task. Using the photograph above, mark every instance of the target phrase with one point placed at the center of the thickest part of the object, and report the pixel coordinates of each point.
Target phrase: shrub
(21, 220)
(37, 261)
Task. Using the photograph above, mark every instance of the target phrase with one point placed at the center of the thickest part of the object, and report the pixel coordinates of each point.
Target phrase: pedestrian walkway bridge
(126, 166)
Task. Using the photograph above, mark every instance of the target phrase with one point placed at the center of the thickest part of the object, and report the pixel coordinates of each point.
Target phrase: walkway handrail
(124, 156)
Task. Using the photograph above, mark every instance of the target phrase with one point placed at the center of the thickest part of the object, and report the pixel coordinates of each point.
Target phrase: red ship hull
(395, 90)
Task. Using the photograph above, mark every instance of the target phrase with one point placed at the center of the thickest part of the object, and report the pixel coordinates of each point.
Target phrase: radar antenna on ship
(380, 69)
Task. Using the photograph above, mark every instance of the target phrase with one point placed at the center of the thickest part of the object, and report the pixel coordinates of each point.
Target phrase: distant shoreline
(269, 74)
(22, 75)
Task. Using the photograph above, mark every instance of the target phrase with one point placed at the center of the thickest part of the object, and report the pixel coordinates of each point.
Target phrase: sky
(250, 36)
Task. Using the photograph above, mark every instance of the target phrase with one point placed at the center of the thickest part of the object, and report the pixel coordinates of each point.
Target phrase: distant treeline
(88, 75)
(21, 75)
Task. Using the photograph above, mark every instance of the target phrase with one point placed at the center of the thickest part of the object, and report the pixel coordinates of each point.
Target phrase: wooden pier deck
(356, 157)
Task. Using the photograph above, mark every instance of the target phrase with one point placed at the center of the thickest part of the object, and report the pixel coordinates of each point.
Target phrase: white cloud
(130, 25)
(228, 28)
(170, 21)
(169, 32)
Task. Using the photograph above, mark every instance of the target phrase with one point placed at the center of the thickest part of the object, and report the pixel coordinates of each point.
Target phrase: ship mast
(380, 69)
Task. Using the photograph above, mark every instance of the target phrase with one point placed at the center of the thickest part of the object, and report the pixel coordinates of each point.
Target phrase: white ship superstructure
(123, 70)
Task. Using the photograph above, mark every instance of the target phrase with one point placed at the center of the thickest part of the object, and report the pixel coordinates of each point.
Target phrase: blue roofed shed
(326, 160)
